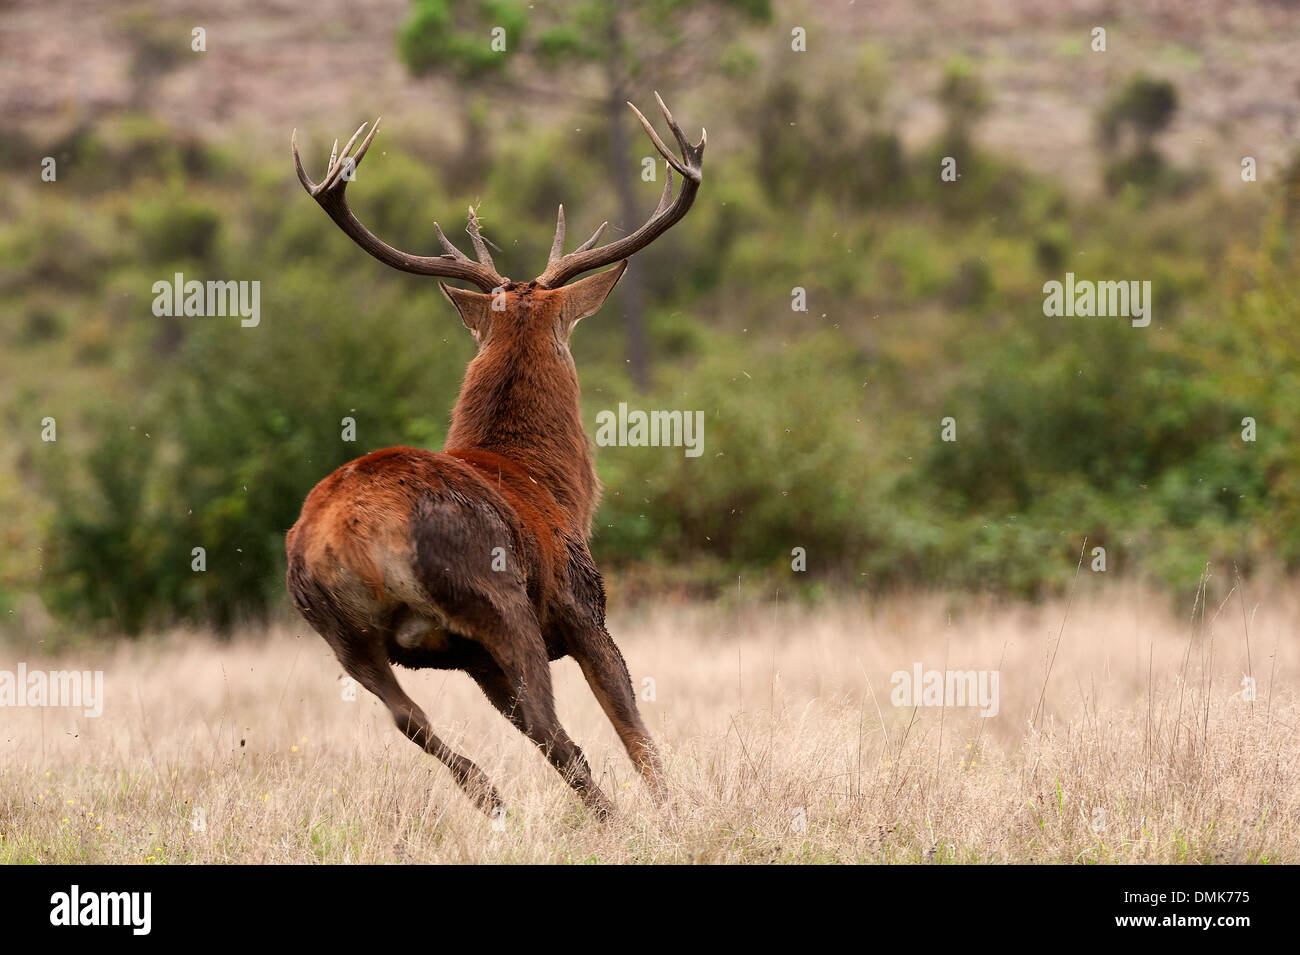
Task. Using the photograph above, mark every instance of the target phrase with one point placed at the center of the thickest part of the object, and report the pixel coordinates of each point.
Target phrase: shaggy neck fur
(520, 400)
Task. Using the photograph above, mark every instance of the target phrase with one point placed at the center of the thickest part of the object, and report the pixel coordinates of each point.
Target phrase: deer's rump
(418, 549)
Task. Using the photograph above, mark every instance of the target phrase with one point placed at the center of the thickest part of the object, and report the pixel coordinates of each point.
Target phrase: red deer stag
(476, 558)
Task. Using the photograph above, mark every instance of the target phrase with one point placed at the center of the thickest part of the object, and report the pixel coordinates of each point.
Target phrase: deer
(477, 558)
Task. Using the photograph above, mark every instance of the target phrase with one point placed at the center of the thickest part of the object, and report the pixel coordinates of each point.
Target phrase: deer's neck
(529, 413)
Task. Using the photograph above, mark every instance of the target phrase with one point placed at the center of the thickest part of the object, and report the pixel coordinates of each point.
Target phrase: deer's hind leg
(588, 641)
(518, 683)
(364, 656)
(365, 660)
(484, 599)
(377, 676)
(606, 672)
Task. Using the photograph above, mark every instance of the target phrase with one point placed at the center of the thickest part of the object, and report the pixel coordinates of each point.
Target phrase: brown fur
(392, 559)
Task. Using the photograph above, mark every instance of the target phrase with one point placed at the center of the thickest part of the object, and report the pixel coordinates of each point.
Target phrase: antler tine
(297, 161)
(339, 161)
(480, 247)
(557, 244)
(689, 151)
(667, 196)
(447, 244)
(557, 247)
(329, 194)
(600, 230)
(659, 143)
(365, 144)
(562, 268)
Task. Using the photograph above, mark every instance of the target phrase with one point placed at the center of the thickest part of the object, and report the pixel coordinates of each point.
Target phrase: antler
(329, 193)
(561, 268)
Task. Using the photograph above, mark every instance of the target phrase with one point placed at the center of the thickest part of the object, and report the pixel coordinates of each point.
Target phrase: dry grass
(767, 715)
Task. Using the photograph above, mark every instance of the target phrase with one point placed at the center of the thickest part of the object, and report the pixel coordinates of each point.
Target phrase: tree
(964, 99)
(507, 46)
(1144, 107)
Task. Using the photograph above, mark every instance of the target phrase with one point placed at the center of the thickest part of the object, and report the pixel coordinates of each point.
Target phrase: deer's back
(429, 531)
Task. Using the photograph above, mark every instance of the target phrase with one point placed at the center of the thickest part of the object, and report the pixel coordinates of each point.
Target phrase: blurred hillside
(279, 64)
(822, 427)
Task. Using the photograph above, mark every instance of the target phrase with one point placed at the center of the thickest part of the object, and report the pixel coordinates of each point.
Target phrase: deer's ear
(475, 308)
(585, 296)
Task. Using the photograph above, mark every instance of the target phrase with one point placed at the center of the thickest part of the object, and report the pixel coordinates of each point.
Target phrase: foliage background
(821, 428)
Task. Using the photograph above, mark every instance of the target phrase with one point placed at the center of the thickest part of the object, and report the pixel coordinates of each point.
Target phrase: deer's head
(529, 315)
(521, 319)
